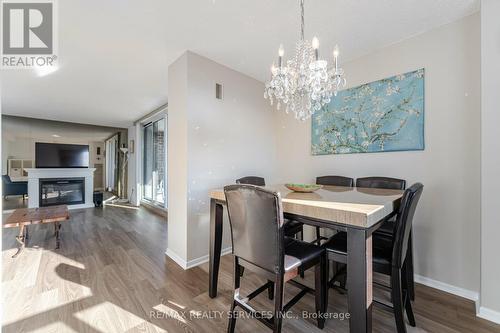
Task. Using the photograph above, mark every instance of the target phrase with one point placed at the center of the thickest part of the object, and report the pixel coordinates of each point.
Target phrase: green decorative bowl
(304, 188)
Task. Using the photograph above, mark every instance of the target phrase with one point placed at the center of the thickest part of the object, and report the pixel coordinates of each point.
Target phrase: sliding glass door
(154, 162)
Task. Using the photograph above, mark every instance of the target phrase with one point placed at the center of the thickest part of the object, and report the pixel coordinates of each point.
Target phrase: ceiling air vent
(218, 91)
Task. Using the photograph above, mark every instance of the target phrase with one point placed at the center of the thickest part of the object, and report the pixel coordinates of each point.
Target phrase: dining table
(355, 210)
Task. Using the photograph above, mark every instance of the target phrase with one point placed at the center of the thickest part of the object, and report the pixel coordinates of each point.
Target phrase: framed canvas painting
(381, 116)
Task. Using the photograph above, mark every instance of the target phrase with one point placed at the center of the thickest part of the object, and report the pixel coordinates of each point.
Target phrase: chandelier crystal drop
(305, 84)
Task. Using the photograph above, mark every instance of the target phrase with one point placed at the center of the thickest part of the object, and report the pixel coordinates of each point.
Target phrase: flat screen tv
(58, 155)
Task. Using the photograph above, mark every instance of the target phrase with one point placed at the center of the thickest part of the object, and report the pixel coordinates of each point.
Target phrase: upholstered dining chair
(381, 182)
(335, 181)
(292, 228)
(387, 183)
(332, 181)
(387, 227)
(389, 255)
(260, 245)
(252, 180)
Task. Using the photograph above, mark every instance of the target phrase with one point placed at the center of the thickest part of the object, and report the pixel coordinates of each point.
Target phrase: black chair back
(381, 182)
(256, 219)
(335, 180)
(404, 223)
(252, 180)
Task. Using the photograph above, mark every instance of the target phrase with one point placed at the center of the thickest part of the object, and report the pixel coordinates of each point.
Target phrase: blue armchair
(13, 188)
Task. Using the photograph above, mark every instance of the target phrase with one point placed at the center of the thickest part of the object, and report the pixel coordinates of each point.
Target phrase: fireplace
(62, 191)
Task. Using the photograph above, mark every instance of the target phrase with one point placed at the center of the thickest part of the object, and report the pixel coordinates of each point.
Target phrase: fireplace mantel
(34, 176)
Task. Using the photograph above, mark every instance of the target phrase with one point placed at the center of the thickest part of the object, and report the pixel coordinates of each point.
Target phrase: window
(112, 150)
(154, 162)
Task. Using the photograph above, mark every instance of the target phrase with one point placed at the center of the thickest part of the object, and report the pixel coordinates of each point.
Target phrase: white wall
(178, 163)
(20, 148)
(217, 141)
(446, 227)
(490, 160)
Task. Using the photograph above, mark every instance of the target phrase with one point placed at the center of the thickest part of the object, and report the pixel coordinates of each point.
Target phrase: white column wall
(490, 160)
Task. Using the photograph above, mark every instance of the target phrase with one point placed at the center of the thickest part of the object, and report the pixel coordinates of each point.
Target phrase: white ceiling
(114, 54)
(14, 128)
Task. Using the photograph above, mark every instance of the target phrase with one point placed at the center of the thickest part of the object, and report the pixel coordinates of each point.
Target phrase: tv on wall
(57, 155)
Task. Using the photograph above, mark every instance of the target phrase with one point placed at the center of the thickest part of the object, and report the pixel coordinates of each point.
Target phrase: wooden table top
(356, 206)
(26, 216)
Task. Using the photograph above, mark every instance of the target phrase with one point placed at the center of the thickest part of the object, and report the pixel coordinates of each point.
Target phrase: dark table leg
(57, 226)
(216, 211)
(359, 280)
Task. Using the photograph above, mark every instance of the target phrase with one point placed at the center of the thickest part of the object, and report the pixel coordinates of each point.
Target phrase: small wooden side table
(24, 217)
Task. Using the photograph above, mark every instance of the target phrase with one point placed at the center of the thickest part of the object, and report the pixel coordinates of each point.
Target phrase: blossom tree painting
(385, 115)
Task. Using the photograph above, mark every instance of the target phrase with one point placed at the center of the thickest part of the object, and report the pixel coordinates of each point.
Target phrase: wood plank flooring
(14, 202)
(111, 275)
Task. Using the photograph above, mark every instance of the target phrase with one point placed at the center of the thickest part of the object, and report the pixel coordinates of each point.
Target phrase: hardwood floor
(14, 202)
(111, 275)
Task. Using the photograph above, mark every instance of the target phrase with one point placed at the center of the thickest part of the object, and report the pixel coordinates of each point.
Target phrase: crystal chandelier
(305, 83)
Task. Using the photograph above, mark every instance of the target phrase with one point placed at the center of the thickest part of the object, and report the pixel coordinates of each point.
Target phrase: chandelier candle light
(305, 84)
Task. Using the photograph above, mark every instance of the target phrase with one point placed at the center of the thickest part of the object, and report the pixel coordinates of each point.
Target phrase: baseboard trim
(205, 258)
(176, 258)
(465, 293)
(489, 314)
(194, 262)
